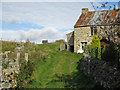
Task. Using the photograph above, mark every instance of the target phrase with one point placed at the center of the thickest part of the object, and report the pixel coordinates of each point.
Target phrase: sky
(36, 21)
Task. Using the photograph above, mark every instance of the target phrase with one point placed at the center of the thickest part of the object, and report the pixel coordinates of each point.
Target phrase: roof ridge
(102, 10)
(91, 16)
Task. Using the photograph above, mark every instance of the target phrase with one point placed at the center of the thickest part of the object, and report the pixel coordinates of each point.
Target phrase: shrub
(8, 46)
(110, 54)
(5, 65)
(95, 45)
(25, 73)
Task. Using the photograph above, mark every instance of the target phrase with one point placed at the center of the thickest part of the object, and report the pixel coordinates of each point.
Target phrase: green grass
(56, 63)
(51, 68)
(8, 46)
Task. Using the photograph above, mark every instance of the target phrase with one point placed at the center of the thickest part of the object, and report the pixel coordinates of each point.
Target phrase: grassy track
(56, 63)
(52, 68)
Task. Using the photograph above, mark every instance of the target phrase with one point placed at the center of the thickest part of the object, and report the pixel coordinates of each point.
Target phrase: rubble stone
(101, 72)
(62, 46)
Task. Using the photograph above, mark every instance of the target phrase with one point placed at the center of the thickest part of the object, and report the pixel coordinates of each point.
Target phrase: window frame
(93, 30)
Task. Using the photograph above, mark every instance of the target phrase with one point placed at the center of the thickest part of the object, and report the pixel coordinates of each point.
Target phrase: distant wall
(44, 41)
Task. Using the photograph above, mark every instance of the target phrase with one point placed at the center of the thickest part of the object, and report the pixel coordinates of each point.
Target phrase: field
(58, 69)
(51, 68)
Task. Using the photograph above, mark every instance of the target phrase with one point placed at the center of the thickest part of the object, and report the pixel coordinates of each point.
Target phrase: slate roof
(102, 17)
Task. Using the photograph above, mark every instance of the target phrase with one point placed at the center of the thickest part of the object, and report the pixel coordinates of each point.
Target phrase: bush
(25, 72)
(8, 46)
(95, 45)
(110, 54)
(5, 65)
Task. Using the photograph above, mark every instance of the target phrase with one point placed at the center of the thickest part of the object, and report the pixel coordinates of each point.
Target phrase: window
(83, 44)
(93, 30)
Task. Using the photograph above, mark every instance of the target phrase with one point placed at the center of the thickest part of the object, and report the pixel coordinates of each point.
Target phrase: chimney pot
(85, 10)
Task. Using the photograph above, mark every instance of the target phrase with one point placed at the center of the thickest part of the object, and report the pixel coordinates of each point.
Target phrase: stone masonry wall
(81, 34)
(103, 29)
(70, 39)
(100, 71)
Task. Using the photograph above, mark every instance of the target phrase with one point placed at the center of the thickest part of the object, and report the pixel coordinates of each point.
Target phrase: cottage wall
(103, 29)
(81, 34)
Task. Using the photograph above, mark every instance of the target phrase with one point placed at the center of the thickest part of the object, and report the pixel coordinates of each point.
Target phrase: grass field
(58, 70)
(51, 68)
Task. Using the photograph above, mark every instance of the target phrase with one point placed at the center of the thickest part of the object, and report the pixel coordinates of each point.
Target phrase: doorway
(72, 48)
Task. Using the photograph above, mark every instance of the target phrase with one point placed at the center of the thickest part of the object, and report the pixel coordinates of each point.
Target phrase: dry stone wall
(11, 70)
(100, 71)
(8, 78)
(62, 46)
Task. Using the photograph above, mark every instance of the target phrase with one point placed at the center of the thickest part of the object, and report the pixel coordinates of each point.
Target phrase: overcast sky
(40, 20)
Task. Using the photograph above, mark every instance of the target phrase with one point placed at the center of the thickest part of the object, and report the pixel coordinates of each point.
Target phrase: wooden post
(26, 57)
(18, 59)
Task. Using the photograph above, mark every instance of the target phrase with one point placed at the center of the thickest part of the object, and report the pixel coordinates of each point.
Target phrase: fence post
(18, 59)
(26, 57)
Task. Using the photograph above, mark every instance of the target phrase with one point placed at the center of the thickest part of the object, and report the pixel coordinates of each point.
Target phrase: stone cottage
(88, 24)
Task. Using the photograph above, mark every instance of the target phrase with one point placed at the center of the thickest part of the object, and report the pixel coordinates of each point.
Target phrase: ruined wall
(81, 34)
(100, 71)
(108, 32)
(70, 40)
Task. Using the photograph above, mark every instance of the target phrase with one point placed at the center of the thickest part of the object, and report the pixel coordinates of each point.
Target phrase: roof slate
(103, 17)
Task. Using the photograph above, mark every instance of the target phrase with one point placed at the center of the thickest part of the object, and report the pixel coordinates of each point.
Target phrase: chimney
(84, 10)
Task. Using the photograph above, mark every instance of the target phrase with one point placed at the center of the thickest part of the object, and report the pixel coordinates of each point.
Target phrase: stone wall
(44, 41)
(10, 67)
(0, 71)
(8, 76)
(62, 46)
(81, 34)
(70, 40)
(100, 71)
(109, 31)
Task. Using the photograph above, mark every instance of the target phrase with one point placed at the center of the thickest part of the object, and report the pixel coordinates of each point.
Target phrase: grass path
(57, 63)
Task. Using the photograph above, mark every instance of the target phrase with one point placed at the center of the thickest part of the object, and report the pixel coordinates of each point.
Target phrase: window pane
(95, 30)
(91, 31)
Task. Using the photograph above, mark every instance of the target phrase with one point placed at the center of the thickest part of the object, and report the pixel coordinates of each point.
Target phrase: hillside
(50, 68)
(57, 69)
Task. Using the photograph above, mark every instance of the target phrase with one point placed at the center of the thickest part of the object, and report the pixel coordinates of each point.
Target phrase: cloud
(35, 35)
(57, 0)
(57, 15)
(13, 20)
